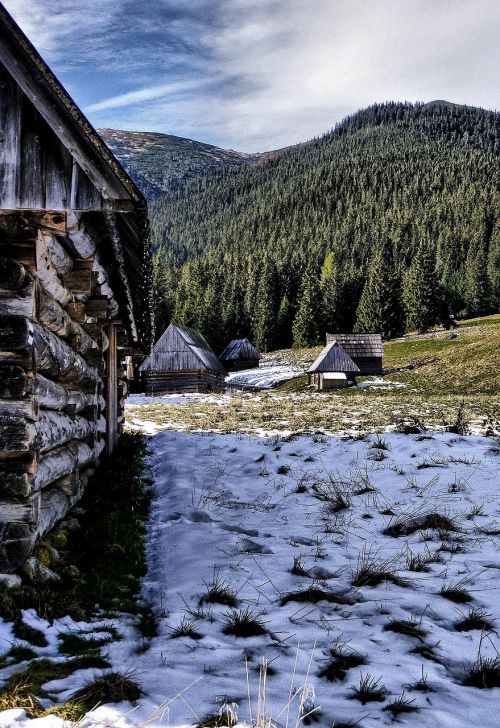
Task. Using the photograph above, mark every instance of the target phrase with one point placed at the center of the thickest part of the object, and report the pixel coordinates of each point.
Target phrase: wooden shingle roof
(240, 349)
(333, 358)
(181, 349)
(359, 346)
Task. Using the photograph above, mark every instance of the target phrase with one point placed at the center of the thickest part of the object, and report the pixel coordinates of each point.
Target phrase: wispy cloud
(256, 74)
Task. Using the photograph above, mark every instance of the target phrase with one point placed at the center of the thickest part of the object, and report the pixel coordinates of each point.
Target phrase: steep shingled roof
(240, 349)
(333, 359)
(181, 349)
(359, 346)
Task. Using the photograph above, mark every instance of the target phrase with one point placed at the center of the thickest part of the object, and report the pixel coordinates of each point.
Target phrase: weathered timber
(57, 359)
(79, 279)
(27, 407)
(17, 434)
(19, 303)
(83, 245)
(13, 275)
(76, 309)
(16, 332)
(23, 251)
(52, 315)
(21, 512)
(15, 475)
(61, 259)
(48, 275)
(14, 381)
(97, 307)
(52, 395)
(52, 466)
(56, 428)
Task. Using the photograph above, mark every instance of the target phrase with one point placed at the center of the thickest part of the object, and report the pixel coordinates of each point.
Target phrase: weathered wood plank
(31, 189)
(10, 133)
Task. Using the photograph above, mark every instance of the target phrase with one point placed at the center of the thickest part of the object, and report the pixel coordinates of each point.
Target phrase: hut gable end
(333, 358)
(181, 349)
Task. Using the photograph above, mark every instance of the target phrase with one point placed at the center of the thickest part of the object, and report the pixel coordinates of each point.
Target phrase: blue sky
(254, 75)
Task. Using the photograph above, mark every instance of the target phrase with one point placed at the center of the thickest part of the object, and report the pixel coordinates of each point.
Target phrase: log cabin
(75, 275)
(333, 369)
(182, 361)
(240, 354)
(365, 350)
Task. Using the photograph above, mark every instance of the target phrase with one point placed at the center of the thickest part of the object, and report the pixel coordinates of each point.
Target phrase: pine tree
(476, 283)
(330, 294)
(494, 268)
(380, 305)
(284, 324)
(421, 291)
(266, 308)
(307, 328)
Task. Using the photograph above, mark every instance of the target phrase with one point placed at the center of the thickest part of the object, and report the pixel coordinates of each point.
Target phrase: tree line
(388, 223)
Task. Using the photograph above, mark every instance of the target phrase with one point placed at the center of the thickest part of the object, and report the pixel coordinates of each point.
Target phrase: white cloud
(256, 74)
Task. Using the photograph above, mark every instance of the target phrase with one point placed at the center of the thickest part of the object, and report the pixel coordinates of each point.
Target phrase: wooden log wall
(55, 306)
(182, 381)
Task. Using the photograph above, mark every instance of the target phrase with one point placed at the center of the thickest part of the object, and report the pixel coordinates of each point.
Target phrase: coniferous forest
(390, 223)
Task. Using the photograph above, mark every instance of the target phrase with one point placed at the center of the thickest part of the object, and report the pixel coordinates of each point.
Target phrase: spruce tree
(307, 329)
(477, 290)
(266, 308)
(380, 306)
(421, 291)
(330, 294)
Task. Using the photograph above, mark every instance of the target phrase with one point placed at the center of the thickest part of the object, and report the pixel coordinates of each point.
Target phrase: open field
(445, 372)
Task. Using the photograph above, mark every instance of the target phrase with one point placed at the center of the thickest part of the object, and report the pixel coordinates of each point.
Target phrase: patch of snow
(241, 509)
(263, 377)
(379, 384)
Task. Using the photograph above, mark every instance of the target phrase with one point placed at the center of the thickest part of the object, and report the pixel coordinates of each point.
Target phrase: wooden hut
(365, 350)
(182, 361)
(74, 273)
(333, 368)
(240, 354)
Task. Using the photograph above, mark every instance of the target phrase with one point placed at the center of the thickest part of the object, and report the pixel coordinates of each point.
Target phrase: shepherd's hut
(365, 350)
(74, 273)
(333, 368)
(240, 354)
(182, 361)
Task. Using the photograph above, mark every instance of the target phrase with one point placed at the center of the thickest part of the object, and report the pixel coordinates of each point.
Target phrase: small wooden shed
(365, 350)
(240, 354)
(182, 361)
(333, 368)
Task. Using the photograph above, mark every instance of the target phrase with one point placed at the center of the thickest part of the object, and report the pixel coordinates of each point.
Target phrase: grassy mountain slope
(161, 163)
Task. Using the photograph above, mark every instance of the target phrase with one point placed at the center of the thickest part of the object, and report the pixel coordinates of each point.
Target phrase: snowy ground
(263, 377)
(292, 529)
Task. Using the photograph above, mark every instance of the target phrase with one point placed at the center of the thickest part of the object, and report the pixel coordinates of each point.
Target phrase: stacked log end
(56, 305)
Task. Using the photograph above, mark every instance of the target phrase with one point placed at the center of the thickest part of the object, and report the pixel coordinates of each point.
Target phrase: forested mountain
(387, 223)
(162, 163)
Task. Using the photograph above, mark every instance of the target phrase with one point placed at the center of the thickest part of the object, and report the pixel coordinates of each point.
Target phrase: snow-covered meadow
(336, 560)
